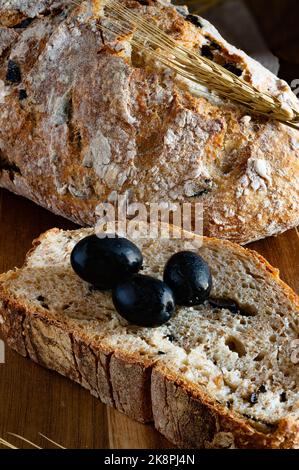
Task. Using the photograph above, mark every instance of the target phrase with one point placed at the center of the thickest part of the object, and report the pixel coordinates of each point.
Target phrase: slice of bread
(208, 378)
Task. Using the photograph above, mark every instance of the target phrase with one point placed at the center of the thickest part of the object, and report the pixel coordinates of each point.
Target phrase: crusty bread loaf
(84, 117)
(208, 378)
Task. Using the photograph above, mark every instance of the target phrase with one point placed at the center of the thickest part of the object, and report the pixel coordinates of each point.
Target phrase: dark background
(278, 21)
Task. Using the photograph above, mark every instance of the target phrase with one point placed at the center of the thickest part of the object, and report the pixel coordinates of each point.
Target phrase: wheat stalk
(8, 445)
(50, 440)
(149, 38)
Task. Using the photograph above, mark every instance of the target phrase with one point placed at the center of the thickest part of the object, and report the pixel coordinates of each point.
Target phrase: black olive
(22, 95)
(171, 338)
(194, 20)
(262, 389)
(207, 52)
(13, 74)
(233, 69)
(189, 277)
(215, 46)
(283, 397)
(23, 24)
(104, 262)
(144, 301)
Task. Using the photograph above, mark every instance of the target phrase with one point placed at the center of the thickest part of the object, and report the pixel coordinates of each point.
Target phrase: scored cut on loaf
(207, 378)
(126, 126)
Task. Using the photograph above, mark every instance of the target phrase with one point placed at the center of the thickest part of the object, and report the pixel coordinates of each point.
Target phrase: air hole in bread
(232, 306)
(260, 357)
(275, 326)
(23, 24)
(207, 52)
(234, 69)
(236, 346)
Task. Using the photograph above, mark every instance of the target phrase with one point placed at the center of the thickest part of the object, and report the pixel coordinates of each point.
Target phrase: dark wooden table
(34, 400)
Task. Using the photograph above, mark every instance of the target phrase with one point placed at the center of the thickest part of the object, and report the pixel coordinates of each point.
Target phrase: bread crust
(190, 419)
(144, 389)
(122, 128)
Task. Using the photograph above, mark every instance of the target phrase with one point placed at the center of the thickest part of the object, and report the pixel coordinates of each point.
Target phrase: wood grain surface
(34, 400)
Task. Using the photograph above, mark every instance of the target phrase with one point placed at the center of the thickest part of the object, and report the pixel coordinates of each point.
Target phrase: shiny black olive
(144, 301)
(104, 262)
(189, 277)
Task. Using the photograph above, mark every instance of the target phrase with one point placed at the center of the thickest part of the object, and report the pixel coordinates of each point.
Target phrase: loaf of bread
(85, 117)
(222, 374)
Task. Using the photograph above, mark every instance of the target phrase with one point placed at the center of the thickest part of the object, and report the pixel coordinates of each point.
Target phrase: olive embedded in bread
(144, 301)
(194, 19)
(13, 74)
(104, 262)
(189, 277)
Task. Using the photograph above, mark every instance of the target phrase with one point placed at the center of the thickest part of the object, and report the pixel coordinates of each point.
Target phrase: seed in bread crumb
(283, 397)
(262, 389)
(161, 353)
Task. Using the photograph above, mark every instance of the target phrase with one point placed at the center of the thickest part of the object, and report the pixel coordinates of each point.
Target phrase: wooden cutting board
(34, 400)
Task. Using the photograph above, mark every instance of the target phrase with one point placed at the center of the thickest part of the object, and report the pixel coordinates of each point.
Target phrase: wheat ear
(149, 38)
